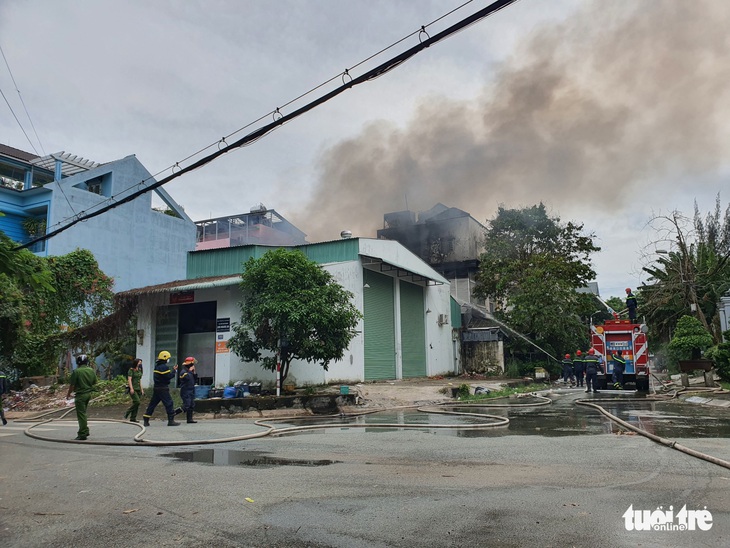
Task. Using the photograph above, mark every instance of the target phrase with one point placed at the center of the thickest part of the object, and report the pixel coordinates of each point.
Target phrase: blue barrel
(230, 392)
(202, 392)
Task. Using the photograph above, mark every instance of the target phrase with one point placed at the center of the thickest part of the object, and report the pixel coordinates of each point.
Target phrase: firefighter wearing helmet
(162, 375)
(567, 369)
(593, 364)
(631, 304)
(187, 387)
(82, 382)
(579, 368)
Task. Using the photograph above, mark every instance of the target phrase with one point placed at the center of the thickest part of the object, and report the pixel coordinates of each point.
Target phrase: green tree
(36, 318)
(693, 275)
(292, 306)
(720, 354)
(532, 266)
(22, 266)
(690, 339)
(21, 275)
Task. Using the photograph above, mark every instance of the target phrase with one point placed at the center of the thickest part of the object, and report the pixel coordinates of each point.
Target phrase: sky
(610, 113)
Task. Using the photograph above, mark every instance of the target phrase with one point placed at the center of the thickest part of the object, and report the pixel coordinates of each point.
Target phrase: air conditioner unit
(443, 319)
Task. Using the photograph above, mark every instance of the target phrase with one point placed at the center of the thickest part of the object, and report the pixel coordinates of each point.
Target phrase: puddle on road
(229, 457)
(562, 418)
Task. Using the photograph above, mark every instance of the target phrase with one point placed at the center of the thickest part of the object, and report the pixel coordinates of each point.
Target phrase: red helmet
(628, 290)
(591, 351)
(579, 353)
(567, 356)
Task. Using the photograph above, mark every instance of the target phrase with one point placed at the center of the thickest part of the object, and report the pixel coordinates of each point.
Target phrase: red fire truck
(629, 340)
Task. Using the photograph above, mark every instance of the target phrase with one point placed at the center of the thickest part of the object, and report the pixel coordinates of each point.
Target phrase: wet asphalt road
(558, 475)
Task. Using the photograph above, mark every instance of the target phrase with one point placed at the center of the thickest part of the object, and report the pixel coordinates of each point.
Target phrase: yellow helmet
(164, 355)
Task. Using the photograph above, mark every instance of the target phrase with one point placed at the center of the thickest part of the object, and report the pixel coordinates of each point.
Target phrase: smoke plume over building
(621, 100)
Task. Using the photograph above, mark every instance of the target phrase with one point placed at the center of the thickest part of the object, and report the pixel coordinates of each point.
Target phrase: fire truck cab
(629, 340)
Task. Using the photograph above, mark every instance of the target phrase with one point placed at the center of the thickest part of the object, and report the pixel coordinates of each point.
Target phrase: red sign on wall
(182, 297)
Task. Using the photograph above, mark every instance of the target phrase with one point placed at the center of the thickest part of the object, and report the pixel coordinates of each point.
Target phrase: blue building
(134, 243)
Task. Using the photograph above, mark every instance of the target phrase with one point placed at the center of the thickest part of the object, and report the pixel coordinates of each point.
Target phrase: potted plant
(34, 226)
(688, 342)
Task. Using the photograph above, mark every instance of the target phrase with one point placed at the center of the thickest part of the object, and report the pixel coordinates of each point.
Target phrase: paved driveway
(547, 482)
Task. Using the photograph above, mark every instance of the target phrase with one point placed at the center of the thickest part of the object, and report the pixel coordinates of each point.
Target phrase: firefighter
(187, 387)
(579, 367)
(631, 304)
(619, 366)
(161, 393)
(593, 365)
(82, 381)
(567, 369)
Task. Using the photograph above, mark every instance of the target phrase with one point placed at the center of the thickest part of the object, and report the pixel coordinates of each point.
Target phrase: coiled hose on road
(271, 430)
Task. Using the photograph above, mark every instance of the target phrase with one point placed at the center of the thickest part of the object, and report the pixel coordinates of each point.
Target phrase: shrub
(690, 339)
(720, 354)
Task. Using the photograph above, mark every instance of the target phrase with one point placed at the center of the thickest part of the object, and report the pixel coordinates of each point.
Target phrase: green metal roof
(229, 260)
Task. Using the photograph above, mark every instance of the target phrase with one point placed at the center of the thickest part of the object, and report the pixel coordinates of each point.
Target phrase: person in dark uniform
(631, 304)
(593, 364)
(567, 369)
(161, 377)
(579, 368)
(187, 387)
(619, 366)
(3, 389)
(82, 382)
(134, 388)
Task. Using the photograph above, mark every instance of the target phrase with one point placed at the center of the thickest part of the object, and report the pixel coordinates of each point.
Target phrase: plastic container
(202, 392)
(229, 392)
(255, 388)
(344, 390)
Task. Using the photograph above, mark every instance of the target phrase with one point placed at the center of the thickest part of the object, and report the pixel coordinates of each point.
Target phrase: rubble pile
(36, 398)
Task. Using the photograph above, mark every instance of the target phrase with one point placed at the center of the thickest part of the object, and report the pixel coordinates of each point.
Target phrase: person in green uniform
(134, 387)
(82, 382)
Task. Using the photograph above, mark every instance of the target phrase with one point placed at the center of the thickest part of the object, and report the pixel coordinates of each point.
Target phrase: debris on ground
(36, 398)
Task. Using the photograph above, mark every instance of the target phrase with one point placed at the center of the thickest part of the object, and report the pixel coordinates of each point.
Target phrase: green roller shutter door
(166, 331)
(379, 325)
(413, 330)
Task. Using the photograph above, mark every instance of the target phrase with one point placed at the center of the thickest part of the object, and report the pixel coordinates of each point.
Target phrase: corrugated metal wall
(229, 260)
(166, 331)
(455, 314)
(379, 328)
(413, 330)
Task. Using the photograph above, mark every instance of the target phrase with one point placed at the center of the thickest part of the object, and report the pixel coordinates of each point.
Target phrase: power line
(23, 103)
(257, 134)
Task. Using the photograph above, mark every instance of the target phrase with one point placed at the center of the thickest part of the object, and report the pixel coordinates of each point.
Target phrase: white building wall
(228, 366)
(725, 312)
(439, 341)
